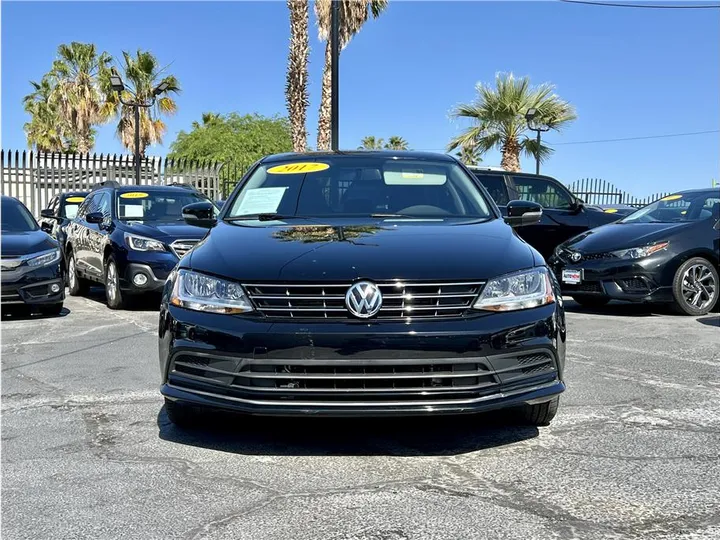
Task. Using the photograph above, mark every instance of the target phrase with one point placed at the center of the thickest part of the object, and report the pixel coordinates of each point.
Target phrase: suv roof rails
(106, 184)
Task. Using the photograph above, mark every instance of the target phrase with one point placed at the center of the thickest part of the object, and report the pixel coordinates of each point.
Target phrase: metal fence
(598, 191)
(36, 177)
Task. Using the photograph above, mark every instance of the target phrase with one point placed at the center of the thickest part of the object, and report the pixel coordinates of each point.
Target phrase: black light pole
(118, 86)
(534, 124)
(334, 71)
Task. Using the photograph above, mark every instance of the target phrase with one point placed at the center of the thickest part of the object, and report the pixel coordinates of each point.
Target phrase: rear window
(344, 186)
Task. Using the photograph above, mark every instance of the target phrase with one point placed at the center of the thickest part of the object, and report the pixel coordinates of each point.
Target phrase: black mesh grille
(634, 285)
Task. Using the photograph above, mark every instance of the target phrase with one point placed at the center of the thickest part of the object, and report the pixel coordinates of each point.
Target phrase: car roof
(698, 190)
(74, 194)
(400, 154)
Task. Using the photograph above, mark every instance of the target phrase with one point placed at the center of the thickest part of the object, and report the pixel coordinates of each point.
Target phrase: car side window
(53, 205)
(103, 205)
(542, 191)
(86, 206)
(495, 184)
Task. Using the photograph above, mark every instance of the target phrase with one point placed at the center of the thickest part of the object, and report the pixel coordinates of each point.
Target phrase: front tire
(77, 286)
(540, 414)
(695, 287)
(591, 301)
(181, 415)
(113, 294)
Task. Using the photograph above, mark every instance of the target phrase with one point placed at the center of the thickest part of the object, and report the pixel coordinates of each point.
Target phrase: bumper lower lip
(29, 292)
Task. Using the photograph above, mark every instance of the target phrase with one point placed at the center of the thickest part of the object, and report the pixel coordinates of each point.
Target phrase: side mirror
(200, 214)
(521, 213)
(577, 205)
(46, 227)
(95, 217)
(47, 213)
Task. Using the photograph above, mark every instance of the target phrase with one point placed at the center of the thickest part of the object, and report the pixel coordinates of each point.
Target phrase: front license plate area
(572, 277)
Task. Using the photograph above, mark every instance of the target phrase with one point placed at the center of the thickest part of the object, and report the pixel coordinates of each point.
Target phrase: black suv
(57, 216)
(129, 238)
(564, 214)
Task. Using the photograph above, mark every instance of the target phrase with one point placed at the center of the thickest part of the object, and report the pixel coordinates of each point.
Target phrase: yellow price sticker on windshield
(298, 168)
(413, 174)
(134, 195)
(75, 199)
(610, 210)
(671, 198)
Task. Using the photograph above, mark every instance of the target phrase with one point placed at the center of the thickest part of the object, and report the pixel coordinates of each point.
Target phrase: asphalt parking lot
(87, 451)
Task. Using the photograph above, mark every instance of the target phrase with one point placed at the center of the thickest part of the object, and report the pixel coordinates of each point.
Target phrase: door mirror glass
(95, 217)
(200, 214)
(47, 227)
(522, 213)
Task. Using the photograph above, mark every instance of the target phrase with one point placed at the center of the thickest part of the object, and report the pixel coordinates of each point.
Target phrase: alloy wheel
(71, 272)
(111, 284)
(698, 286)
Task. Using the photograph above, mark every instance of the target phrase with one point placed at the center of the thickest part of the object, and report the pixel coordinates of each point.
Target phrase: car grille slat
(400, 299)
(181, 247)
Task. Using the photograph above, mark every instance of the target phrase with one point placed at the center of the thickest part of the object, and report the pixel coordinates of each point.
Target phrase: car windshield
(71, 205)
(16, 218)
(679, 207)
(352, 185)
(155, 205)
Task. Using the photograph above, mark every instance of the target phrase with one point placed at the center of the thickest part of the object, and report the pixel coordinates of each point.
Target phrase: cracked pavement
(87, 451)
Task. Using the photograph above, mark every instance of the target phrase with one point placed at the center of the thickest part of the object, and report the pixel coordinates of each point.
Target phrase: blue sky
(629, 72)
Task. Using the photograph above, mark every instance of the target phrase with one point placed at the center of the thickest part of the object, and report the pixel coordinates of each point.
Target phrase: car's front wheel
(540, 414)
(113, 294)
(695, 287)
(591, 301)
(181, 415)
(77, 286)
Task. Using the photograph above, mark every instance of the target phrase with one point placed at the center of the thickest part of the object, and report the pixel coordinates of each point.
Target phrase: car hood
(374, 250)
(164, 231)
(623, 235)
(16, 244)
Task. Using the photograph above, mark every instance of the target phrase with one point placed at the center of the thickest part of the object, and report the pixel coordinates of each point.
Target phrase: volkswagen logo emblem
(363, 299)
(575, 256)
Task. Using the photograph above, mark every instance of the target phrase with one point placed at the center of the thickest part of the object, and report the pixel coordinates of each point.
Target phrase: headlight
(140, 243)
(640, 252)
(205, 293)
(44, 259)
(521, 290)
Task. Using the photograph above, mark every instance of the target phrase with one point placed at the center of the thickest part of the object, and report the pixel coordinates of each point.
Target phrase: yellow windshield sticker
(610, 210)
(75, 199)
(298, 168)
(134, 195)
(417, 174)
(671, 198)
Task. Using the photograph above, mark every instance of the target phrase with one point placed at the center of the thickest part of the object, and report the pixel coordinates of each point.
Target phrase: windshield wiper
(390, 216)
(263, 217)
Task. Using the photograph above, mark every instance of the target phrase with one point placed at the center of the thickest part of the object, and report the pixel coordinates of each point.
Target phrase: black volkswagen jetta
(666, 252)
(32, 271)
(361, 283)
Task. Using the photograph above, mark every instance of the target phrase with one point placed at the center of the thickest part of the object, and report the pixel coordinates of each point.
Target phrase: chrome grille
(181, 247)
(400, 299)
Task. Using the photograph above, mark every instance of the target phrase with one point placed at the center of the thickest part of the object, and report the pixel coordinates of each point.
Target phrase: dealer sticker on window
(572, 277)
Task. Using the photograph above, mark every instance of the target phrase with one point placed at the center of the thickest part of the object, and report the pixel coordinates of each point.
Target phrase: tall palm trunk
(511, 156)
(296, 88)
(325, 113)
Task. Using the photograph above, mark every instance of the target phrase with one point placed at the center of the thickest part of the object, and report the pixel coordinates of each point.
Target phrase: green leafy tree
(371, 143)
(79, 85)
(498, 117)
(143, 75)
(469, 155)
(296, 86)
(46, 130)
(233, 139)
(353, 15)
(396, 143)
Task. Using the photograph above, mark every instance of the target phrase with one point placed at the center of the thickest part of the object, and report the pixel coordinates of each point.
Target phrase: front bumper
(33, 287)
(474, 364)
(156, 267)
(633, 281)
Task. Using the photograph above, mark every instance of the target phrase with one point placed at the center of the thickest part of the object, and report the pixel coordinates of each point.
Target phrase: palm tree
(469, 155)
(498, 116)
(371, 143)
(208, 118)
(353, 14)
(46, 129)
(77, 75)
(296, 87)
(396, 143)
(143, 75)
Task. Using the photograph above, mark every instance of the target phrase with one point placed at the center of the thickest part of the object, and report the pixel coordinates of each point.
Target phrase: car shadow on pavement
(410, 436)
(711, 320)
(621, 309)
(140, 302)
